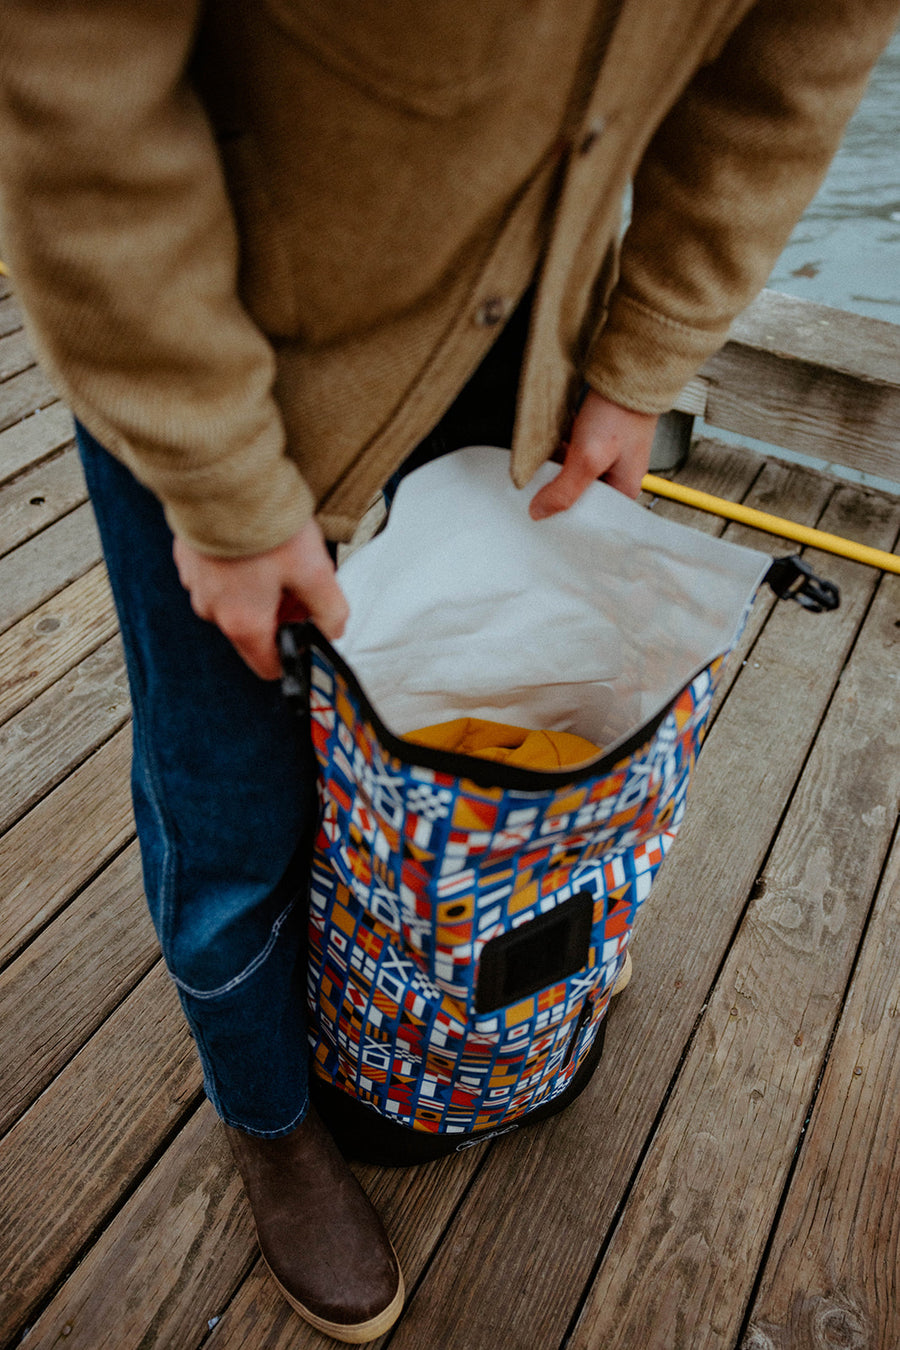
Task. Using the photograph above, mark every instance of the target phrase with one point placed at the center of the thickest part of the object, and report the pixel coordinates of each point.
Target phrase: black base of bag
(365, 1136)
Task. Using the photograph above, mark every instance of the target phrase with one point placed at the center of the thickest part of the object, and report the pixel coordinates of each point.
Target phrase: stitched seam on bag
(248, 970)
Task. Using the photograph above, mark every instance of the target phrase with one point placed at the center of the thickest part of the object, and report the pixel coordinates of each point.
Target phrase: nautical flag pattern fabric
(468, 921)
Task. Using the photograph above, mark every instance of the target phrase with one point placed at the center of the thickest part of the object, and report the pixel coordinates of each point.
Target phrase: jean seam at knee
(245, 974)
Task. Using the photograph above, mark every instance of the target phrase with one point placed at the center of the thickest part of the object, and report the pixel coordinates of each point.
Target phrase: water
(846, 249)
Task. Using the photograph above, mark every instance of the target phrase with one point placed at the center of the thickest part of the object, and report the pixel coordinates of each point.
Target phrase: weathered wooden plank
(63, 841)
(40, 648)
(61, 987)
(34, 439)
(24, 394)
(701, 1210)
(856, 345)
(46, 740)
(39, 497)
(15, 355)
(10, 314)
(830, 1278)
(563, 1182)
(802, 495)
(804, 408)
(45, 564)
(692, 398)
(66, 1164)
(810, 378)
(168, 1261)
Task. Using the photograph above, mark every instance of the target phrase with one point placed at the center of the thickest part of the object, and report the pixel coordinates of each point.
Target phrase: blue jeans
(224, 784)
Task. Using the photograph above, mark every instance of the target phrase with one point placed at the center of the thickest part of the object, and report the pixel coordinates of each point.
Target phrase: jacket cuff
(642, 359)
(236, 520)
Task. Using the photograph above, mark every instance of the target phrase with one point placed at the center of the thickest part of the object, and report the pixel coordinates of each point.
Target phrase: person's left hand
(608, 442)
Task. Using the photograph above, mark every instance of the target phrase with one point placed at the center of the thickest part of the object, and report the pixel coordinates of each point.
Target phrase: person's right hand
(607, 442)
(245, 596)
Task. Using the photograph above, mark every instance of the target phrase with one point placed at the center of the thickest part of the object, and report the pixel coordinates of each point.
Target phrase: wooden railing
(809, 378)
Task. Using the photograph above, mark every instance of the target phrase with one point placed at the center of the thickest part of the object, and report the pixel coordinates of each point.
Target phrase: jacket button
(591, 136)
(491, 312)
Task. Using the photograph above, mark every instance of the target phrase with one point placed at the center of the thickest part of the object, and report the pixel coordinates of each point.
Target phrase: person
(272, 253)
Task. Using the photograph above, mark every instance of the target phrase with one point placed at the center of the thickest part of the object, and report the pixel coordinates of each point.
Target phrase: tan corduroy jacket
(263, 243)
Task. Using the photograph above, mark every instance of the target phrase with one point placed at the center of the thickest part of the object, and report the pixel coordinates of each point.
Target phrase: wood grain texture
(33, 439)
(864, 348)
(63, 841)
(46, 740)
(45, 564)
(39, 497)
(10, 314)
(787, 490)
(699, 1216)
(167, 1262)
(831, 1275)
(24, 394)
(67, 1163)
(62, 986)
(172, 1258)
(49, 641)
(833, 417)
(810, 378)
(540, 1211)
(15, 354)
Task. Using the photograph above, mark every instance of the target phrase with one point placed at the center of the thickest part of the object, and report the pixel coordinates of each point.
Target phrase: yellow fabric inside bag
(507, 744)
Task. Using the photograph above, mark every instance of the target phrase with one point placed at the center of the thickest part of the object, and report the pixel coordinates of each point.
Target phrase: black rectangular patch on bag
(542, 952)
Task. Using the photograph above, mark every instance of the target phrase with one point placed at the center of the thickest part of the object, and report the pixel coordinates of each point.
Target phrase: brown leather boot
(320, 1236)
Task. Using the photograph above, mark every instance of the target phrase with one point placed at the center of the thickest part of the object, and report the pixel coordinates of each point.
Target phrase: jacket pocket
(432, 57)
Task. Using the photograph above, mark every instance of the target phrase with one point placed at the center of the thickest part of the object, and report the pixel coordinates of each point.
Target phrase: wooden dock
(728, 1179)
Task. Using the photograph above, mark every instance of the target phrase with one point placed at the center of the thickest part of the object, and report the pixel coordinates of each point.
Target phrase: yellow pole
(760, 520)
(4, 270)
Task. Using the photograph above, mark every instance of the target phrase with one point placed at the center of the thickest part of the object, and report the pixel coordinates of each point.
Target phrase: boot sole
(624, 976)
(354, 1333)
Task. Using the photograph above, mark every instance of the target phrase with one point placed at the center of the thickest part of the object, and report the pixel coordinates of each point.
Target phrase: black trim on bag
(362, 1133)
(294, 643)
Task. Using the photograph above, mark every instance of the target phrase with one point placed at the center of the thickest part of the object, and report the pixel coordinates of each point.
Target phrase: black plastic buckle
(793, 579)
(293, 648)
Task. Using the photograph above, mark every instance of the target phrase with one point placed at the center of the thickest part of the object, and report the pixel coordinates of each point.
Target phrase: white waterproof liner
(590, 621)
